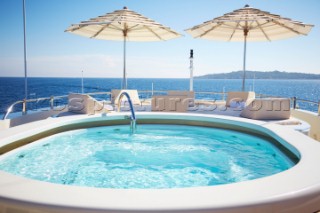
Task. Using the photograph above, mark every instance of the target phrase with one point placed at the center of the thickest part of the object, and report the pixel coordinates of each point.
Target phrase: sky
(51, 52)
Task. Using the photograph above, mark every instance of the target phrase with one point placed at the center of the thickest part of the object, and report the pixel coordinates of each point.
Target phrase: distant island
(260, 75)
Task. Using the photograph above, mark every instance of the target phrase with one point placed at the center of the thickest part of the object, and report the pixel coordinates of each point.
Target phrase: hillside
(260, 75)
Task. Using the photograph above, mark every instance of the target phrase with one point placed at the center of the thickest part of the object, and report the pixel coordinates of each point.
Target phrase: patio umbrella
(249, 24)
(123, 25)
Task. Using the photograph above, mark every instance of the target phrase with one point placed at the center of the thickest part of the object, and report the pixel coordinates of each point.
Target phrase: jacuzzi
(294, 190)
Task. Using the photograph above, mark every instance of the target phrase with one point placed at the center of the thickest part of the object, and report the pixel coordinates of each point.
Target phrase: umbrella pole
(124, 79)
(244, 59)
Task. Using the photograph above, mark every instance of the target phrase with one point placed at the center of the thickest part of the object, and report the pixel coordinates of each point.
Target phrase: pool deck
(295, 190)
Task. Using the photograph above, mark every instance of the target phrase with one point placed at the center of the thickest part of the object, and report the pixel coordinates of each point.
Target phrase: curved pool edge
(295, 190)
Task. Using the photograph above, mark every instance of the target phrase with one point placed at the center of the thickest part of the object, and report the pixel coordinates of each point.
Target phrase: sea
(12, 88)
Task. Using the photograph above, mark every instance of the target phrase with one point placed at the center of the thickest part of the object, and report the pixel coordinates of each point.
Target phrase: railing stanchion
(24, 107)
(294, 102)
(224, 94)
(51, 102)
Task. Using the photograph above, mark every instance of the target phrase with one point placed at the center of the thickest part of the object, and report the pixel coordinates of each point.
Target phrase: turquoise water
(157, 156)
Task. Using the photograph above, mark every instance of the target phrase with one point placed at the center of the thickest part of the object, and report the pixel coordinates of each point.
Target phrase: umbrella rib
(207, 31)
(107, 25)
(103, 28)
(132, 27)
(288, 28)
(115, 18)
(234, 31)
(264, 33)
(97, 33)
(148, 28)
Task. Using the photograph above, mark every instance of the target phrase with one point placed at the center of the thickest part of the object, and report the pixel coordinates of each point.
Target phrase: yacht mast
(25, 53)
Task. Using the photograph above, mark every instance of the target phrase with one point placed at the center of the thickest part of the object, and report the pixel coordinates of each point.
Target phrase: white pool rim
(293, 190)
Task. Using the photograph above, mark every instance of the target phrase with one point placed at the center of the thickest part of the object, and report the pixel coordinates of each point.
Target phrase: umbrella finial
(246, 5)
(125, 8)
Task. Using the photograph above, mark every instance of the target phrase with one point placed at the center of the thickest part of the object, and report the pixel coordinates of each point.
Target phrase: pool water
(156, 156)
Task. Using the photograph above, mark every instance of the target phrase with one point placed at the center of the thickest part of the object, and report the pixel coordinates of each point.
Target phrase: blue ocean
(12, 89)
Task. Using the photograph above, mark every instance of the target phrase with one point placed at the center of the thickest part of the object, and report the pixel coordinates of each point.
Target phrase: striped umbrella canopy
(249, 24)
(123, 25)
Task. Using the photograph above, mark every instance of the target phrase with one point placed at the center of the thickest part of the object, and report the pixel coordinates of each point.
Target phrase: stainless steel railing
(24, 104)
(133, 122)
(296, 100)
(221, 95)
(51, 100)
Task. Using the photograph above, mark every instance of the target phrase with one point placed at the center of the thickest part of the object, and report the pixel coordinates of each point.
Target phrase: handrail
(295, 99)
(306, 101)
(24, 102)
(10, 109)
(52, 98)
(51, 101)
(133, 115)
